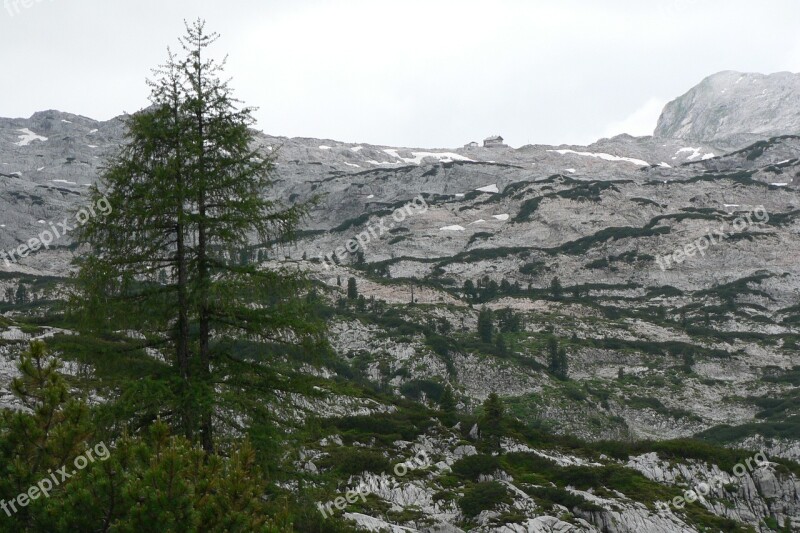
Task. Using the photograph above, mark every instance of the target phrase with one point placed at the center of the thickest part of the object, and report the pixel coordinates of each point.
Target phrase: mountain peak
(733, 106)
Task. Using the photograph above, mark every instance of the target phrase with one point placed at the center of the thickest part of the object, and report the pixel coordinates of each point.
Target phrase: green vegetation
(483, 496)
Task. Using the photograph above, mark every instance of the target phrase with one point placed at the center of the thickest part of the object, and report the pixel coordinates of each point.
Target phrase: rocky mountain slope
(661, 343)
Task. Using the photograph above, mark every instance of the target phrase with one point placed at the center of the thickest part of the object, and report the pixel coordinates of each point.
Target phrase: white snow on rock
(40, 169)
(445, 157)
(459, 195)
(28, 137)
(696, 152)
(479, 221)
(452, 228)
(323, 147)
(604, 157)
(93, 131)
(357, 149)
(351, 164)
(570, 170)
(489, 188)
(779, 184)
(371, 196)
(665, 165)
(64, 181)
(66, 121)
(92, 145)
(504, 216)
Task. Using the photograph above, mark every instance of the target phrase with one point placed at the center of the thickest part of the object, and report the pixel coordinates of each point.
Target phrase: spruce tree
(557, 361)
(447, 405)
(485, 325)
(563, 364)
(21, 297)
(492, 420)
(352, 289)
(187, 188)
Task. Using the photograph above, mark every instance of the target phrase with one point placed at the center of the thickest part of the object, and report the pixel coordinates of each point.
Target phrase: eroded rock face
(733, 107)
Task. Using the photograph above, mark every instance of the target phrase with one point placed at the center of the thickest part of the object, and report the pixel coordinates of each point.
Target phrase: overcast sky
(430, 73)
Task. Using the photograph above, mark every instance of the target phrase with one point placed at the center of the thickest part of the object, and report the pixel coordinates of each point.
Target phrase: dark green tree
(485, 325)
(556, 291)
(505, 286)
(563, 364)
(469, 290)
(552, 354)
(352, 289)
(22, 297)
(188, 186)
(500, 345)
(557, 363)
(508, 321)
(447, 405)
(139, 484)
(491, 421)
(10, 297)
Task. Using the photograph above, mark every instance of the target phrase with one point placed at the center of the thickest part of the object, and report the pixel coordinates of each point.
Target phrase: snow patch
(64, 181)
(357, 149)
(504, 216)
(665, 165)
(570, 170)
(323, 147)
(445, 157)
(452, 228)
(351, 164)
(779, 184)
(28, 137)
(92, 145)
(93, 131)
(489, 188)
(40, 169)
(604, 157)
(696, 152)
